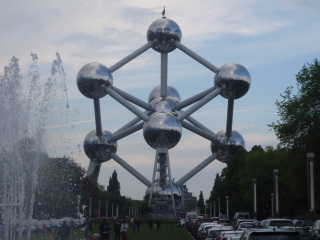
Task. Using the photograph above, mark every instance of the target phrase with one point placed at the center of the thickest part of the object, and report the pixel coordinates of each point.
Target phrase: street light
(276, 191)
(219, 206)
(272, 195)
(99, 208)
(254, 181)
(227, 203)
(310, 172)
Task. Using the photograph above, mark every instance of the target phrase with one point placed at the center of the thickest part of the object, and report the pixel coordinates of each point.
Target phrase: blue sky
(272, 39)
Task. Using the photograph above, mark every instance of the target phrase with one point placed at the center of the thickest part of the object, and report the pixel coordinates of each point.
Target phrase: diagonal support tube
(126, 132)
(125, 103)
(199, 104)
(132, 99)
(197, 169)
(208, 135)
(130, 169)
(196, 57)
(131, 56)
(193, 99)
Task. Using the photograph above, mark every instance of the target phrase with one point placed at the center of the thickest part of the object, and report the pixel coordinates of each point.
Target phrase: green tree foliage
(114, 185)
(200, 203)
(298, 127)
(59, 184)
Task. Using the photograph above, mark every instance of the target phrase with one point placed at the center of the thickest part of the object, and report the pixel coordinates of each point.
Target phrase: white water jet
(25, 107)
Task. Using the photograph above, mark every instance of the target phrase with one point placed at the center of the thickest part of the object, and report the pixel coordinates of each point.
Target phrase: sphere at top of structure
(235, 78)
(99, 147)
(90, 79)
(162, 129)
(227, 148)
(163, 31)
(171, 93)
(163, 105)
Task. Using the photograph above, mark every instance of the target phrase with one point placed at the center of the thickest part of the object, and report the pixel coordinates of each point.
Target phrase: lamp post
(272, 210)
(214, 208)
(276, 191)
(211, 209)
(99, 208)
(254, 181)
(107, 209)
(227, 203)
(219, 207)
(310, 173)
(90, 207)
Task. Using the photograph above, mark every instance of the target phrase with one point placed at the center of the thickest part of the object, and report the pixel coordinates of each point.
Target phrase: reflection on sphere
(171, 93)
(164, 105)
(162, 31)
(99, 147)
(162, 129)
(90, 78)
(235, 78)
(227, 148)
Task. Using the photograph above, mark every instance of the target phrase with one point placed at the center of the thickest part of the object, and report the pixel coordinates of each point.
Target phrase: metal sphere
(90, 78)
(171, 93)
(162, 129)
(164, 105)
(99, 147)
(164, 191)
(163, 31)
(235, 78)
(227, 148)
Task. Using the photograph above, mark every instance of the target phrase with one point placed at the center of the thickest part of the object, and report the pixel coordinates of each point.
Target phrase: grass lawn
(166, 232)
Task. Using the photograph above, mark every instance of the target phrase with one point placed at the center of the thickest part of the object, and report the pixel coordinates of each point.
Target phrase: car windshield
(214, 234)
(247, 225)
(281, 223)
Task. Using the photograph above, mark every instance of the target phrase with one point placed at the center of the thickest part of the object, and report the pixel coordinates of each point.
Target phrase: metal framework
(164, 116)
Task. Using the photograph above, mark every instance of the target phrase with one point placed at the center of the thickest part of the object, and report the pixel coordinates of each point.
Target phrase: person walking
(1, 230)
(138, 222)
(64, 231)
(116, 229)
(158, 224)
(150, 224)
(124, 230)
(104, 230)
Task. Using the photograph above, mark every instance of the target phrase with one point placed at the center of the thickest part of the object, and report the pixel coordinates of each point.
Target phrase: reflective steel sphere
(227, 148)
(162, 31)
(162, 129)
(99, 147)
(164, 105)
(166, 191)
(171, 93)
(90, 78)
(235, 78)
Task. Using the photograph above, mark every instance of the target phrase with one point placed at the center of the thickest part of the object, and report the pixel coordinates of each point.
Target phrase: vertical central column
(164, 75)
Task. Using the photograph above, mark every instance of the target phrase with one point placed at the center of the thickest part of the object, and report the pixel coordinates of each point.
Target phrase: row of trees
(298, 130)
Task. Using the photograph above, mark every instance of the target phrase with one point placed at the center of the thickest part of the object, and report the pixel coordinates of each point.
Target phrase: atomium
(163, 116)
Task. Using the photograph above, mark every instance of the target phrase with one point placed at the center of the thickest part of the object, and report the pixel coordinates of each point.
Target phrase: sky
(273, 39)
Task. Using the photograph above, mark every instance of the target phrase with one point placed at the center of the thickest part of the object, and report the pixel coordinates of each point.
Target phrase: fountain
(24, 110)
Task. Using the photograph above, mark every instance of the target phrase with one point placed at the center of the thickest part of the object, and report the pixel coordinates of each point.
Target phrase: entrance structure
(164, 116)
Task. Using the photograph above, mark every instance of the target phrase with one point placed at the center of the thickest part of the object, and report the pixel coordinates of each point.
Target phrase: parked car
(270, 234)
(276, 223)
(304, 223)
(244, 225)
(230, 235)
(182, 222)
(316, 225)
(203, 229)
(315, 234)
(304, 232)
(214, 232)
(240, 215)
(235, 226)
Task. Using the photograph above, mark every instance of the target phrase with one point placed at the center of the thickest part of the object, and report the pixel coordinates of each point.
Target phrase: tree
(114, 185)
(200, 204)
(298, 127)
